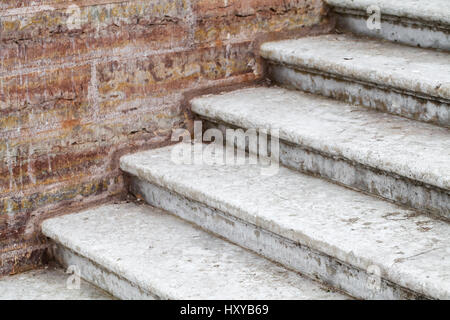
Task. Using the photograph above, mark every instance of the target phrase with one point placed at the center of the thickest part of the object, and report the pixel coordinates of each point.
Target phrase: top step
(410, 82)
(417, 71)
(414, 22)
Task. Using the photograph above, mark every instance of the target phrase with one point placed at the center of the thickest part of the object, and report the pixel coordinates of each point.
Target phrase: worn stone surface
(431, 11)
(408, 249)
(80, 86)
(47, 284)
(171, 259)
(372, 96)
(417, 71)
(411, 149)
(232, 20)
(38, 34)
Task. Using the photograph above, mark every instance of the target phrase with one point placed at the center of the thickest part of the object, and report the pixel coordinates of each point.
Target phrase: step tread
(410, 249)
(437, 11)
(47, 284)
(169, 257)
(405, 147)
(416, 70)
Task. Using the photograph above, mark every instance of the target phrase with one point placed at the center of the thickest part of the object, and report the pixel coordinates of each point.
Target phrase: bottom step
(48, 284)
(139, 252)
(367, 247)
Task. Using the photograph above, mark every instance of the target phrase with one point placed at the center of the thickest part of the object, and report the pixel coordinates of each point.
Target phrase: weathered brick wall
(73, 98)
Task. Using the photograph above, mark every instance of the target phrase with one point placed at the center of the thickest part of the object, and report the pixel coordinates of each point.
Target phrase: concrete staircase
(358, 204)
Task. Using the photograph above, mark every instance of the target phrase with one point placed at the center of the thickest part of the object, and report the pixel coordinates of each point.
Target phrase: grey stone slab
(392, 187)
(363, 284)
(111, 282)
(402, 30)
(432, 11)
(421, 72)
(167, 258)
(47, 284)
(380, 98)
(407, 148)
(367, 150)
(361, 231)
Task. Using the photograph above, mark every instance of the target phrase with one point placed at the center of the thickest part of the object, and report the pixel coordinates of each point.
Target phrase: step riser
(99, 276)
(398, 189)
(293, 255)
(406, 31)
(425, 109)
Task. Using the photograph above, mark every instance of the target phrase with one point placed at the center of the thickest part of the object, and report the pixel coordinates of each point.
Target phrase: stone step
(396, 158)
(48, 284)
(363, 245)
(407, 81)
(414, 22)
(139, 252)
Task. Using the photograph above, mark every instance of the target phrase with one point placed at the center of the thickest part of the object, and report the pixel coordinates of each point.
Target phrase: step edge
(101, 262)
(136, 186)
(386, 9)
(423, 109)
(60, 244)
